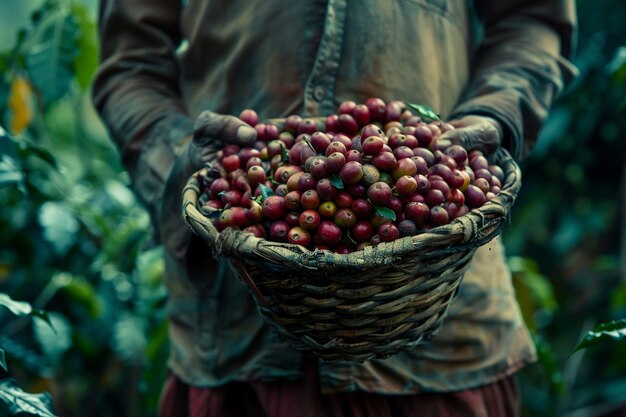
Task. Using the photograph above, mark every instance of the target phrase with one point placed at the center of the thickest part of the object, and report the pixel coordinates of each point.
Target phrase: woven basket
(367, 304)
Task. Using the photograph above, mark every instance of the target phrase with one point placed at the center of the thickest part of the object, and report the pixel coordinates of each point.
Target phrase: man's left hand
(473, 132)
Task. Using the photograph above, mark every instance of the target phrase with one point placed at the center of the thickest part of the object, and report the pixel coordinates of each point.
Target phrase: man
(168, 66)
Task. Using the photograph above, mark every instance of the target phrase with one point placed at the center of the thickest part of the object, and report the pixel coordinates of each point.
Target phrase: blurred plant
(567, 220)
(14, 400)
(73, 238)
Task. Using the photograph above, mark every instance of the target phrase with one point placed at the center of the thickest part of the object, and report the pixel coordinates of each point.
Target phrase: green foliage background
(75, 242)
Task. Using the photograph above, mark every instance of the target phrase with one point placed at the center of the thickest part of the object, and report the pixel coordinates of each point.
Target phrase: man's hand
(212, 131)
(473, 132)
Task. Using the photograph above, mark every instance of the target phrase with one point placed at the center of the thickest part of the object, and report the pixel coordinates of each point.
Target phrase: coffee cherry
(231, 163)
(343, 199)
(417, 212)
(335, 162)
(362, 208)
(474, 196)
(336, 146)
(256, 175)
(249, 116)
(379, 193)
(327, 209)
(279, 230)
(320, 141)
(345, 218)
(458, 153)
(348, 124)
(326, 190)
(376, 107)
(257, 230)
(388, 232)
(299, 236)
(292, 200)
(361, 114)
(372, 130)
(329, 233)
(273, 208)
(362, 231)
(372, 145)
(309, 219)
(310, 200)
(407, 228)
(332, 123)
(384, 161)
(406, 185)
(293, 218)
(438, 216)
(351, 172)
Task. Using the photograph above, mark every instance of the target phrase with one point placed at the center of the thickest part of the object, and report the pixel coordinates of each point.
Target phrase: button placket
(320, 87)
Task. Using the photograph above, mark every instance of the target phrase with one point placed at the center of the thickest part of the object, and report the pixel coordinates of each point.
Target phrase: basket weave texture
(367, 304)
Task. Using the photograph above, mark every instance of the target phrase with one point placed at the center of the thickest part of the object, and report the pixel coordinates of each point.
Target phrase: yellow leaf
(5, 271)
(21, 101)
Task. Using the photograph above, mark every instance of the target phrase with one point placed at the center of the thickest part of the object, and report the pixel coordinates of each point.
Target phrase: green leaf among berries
(265, 191)
(336, 181)
(385, 212)
(424, 112)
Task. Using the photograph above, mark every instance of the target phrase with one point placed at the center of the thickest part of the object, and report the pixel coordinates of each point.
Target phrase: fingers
(478, 133)
(212, 127)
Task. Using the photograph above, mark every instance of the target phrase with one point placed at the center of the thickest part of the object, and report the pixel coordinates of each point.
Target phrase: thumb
(212, 127)
(484, 137)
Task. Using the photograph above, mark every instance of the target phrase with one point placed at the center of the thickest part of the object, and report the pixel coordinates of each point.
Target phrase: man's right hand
(212, 131)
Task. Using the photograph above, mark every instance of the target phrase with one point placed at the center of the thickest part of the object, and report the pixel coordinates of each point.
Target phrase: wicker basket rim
(460, 234)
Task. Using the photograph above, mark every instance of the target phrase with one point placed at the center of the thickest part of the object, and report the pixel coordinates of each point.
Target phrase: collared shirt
(164, 63)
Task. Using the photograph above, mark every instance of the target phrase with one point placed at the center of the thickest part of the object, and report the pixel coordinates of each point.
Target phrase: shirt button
(319, 93)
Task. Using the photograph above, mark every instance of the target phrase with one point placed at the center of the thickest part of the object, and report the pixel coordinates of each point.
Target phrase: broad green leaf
(617, 66)
(81, 292)
(29, 148)
(539, 288)
(22, 308)
(86, 61)
(59, 225)
(423, 111)
(49, 51)
(19, 308)
(10, 172)
(22, 403)
(54, 339)
(129, 340)
(385, 212)
(3, 361)
(10, 169)
(613, 331)
(336, 181)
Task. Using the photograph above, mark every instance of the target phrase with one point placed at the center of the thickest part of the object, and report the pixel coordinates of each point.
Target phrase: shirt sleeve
(520, 66)
(136, 90)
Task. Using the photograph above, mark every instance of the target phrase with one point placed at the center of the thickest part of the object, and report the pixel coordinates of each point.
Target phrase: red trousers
(303, 399)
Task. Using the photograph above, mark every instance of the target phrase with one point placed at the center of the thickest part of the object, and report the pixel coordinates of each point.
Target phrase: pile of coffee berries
(370, 173)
